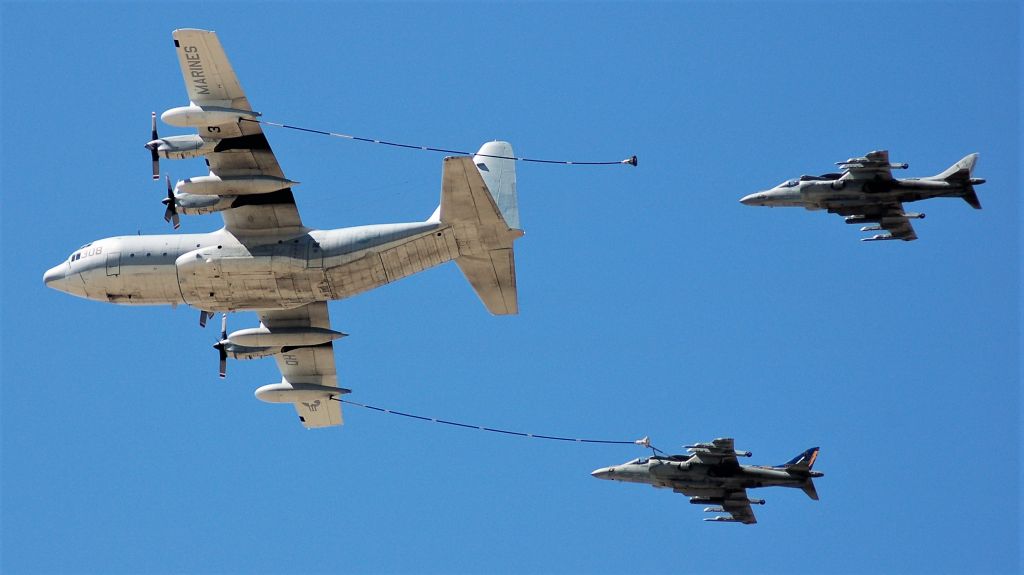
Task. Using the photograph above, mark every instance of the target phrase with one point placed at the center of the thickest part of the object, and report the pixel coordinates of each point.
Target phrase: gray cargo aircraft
(711, 474)
(866, 193)
(266, 260)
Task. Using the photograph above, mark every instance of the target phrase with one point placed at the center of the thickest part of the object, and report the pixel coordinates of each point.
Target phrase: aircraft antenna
(631, 161)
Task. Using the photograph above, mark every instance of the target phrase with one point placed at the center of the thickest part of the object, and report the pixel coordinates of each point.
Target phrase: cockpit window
(788, 184)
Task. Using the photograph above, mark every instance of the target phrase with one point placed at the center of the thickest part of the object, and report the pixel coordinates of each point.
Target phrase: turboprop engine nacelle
(195, 205)
(213, 185)
(284, 337)
(197, 116)
(286, 392)
(722, 501)
(182, 147)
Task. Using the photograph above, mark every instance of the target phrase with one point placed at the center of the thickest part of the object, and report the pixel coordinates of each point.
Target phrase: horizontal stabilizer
(809, 489)
(972, 198)
(493, 277)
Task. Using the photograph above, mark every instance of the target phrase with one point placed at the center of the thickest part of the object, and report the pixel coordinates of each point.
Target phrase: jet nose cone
(56, 277)
(603, 473)
(750, 199)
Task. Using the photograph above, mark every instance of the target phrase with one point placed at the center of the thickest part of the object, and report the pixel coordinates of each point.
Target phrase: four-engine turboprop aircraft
(866, 193)
(711, 474)
(266, 260)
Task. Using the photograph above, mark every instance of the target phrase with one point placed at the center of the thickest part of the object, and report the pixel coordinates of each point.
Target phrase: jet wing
(242, 148)
(313, 364)
(874, 166)
(737, 504)
(889, 217)
(733, 501)
(721, 451)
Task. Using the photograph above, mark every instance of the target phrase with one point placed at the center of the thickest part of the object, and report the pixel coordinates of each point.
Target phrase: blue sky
(652, 302)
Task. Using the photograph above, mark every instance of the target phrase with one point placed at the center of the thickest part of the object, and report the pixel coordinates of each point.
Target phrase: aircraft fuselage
(220, 272)
(826, 194)
(699, 475)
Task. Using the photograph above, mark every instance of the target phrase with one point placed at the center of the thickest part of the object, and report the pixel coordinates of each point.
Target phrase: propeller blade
(171, 213)
(222, 346)
(152, 150)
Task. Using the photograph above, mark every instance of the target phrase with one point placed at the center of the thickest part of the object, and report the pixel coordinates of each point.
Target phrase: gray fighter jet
(711, 474)
(866, 193)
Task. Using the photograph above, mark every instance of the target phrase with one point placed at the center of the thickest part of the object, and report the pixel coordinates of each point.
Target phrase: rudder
(498, 169)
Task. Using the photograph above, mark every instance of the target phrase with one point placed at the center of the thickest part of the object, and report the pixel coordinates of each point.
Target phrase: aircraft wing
(734, 502)
(721, 451)
(889, 217)
(313, 364)
(242, 148)
(737, 504)
(874, 166)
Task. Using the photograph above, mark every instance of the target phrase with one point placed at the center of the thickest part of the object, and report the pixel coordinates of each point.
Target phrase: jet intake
(194, 116)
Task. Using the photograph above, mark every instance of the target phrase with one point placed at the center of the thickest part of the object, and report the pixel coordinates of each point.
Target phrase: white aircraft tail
(478, 199)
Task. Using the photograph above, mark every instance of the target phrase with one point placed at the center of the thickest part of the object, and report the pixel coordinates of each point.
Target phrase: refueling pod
(286, 392)
(194, 116)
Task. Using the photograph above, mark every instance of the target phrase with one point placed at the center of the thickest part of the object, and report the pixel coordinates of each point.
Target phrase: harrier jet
(266, 260)
(866, 193)
(711, 474)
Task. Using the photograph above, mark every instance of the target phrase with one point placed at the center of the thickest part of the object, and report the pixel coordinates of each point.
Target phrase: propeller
(203, 316)
(171, 213)
(152, 145)
(221, 346)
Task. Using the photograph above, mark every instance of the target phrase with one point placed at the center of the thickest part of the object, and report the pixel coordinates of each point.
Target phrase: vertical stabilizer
(499, 173)
(959, 170)
(478, 200)
(804, 461)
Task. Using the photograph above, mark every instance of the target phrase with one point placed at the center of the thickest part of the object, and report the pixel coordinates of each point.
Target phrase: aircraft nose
(56, 277)
(752, 199)
(603, 473)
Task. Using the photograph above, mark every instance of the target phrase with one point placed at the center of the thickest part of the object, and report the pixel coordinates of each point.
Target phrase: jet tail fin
(479, 201)
(960, 173)
(803, 462)
(960, 170)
